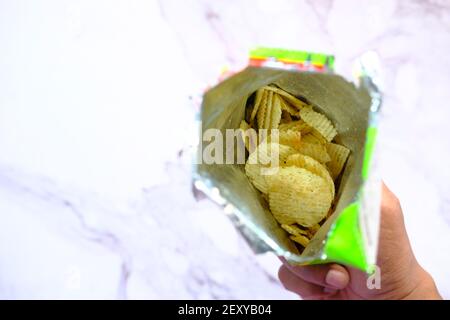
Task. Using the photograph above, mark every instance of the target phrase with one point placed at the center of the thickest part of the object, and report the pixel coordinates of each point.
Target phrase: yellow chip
(315, 151)
(289, 125)
(287, 107)
(312, 231)
(268, 114)
(249, 136)
(310, 138)
(288, 97)
(262, 158)
(254, 166)
(319, 122)
(261, 112)
(275, 113)
(298, 196)
(314, 166)
(253, 172)
(290, 138)
(298, 125)
(315, 137)
(258, 100)
(338, 155)
(304, 241)
(284, 150)
(294, 229)
(315, 228)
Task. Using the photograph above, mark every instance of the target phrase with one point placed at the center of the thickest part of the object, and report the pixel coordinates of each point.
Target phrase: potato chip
(294, 229)
(304, 241)
(318, 121)
(314, 228)
(264, 157)
(253, 172)
(261, 112)
(268, 114)
(285, 152)
(316, 134)
(287, 107)
(249, 136)
(338, 155)
(315, 151)
(275, 113)
(314, 166)
(313, 136)
(298, 125)
(290, 138)
(288, 97)
(298, 196)
(310, 138)
(258, 100)
(254, 165)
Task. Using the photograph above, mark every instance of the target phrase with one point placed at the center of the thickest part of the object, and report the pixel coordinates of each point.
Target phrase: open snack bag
(296, 168)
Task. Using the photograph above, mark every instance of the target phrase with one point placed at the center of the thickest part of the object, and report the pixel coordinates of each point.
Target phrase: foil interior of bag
(223, 108)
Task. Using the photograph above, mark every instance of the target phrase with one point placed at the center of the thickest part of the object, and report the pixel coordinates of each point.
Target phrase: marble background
(95, 198)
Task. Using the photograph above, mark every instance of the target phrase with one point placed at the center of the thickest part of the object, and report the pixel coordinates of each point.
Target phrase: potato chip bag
(320, 204)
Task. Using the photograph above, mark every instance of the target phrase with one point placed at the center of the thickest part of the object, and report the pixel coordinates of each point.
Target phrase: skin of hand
(401, 275)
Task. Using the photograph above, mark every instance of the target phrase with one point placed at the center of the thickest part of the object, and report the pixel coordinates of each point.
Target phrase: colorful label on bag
(291, 60)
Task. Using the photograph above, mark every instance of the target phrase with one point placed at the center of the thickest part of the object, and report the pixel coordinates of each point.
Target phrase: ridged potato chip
(315, 228)
(294, 229)
(258, 99)
(298, 125)
(310, 138)
(285, 152)
(290, 138)
(263, 157)
(262, 110)
(314, 137)
(304, 241)
(298, 196)
(314, 150)
(287, 107)
(275, 112)
(268, 114)
(338, 155)
(314, 166)
(288, 97)
(253, 172)
(319, 122)
(249, 136)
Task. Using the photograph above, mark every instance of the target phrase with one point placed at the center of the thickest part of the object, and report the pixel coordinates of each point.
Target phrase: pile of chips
(301, 192)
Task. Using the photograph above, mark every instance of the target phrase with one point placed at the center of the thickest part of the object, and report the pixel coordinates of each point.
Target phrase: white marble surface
(95, 199)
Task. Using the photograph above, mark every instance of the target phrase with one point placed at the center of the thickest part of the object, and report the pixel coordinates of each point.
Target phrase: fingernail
(336, 279)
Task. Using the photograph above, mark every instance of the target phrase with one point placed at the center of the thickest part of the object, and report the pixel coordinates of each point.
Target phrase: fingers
(332, 276)
(299, 286)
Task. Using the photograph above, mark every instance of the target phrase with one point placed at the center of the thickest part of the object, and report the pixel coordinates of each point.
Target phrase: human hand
(401, 275)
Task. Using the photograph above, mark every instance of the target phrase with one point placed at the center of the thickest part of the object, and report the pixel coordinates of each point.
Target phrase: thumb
(394, 246)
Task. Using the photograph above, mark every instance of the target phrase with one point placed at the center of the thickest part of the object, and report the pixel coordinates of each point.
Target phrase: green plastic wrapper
(350, 234)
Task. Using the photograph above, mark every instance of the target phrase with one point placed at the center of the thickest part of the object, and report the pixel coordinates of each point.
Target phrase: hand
(401, 275)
